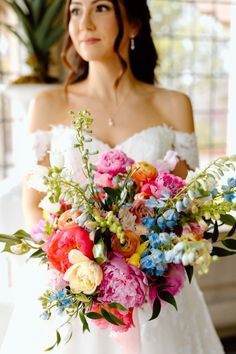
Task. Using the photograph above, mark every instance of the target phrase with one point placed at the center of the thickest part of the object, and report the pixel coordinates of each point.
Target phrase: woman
(112, 75)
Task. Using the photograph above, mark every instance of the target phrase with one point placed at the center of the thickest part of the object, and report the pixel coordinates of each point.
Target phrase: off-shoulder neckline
(138, 133)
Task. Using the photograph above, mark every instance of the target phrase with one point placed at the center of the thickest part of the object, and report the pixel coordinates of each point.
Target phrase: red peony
(62, 242)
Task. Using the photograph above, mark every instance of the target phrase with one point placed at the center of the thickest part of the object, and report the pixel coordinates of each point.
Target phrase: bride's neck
(102, 78)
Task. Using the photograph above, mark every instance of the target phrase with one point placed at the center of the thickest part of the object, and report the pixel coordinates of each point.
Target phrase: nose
(86, 21)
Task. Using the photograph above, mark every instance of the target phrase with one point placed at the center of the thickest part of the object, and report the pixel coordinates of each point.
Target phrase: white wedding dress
(186, 331)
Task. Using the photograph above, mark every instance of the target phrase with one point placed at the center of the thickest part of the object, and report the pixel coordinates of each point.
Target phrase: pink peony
(125, 317)
(123, 283)
(167, 181)
(113, 162)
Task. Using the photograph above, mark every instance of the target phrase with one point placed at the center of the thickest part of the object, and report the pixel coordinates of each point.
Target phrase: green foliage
(42, 27)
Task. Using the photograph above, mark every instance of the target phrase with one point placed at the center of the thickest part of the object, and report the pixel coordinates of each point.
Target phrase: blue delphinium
(153, 262)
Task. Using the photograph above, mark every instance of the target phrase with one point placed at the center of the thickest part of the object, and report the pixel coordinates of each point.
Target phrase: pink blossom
(38, 233)
(113, 162)
(56, 281)
(103, 179)
(168, 163)
(123, 283)
(175, 278)
(172, 183)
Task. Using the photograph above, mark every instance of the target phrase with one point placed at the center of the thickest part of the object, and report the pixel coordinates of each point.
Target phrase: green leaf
(189, 271)
(22, 234)
(58, 340)
(116, 305)
(228, 219)
(215, 234)
(84, 321)
(232, 231)
(167, 297)
(93, 315)
(38, 8)
(156, 308)
(111, 318)
(231, 244)
(50, 15)
(8, 238)
(114, 193)
(37, 254)
(55, 34)
(221, 252)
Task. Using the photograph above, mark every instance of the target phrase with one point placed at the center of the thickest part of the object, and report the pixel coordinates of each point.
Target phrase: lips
(90, 40)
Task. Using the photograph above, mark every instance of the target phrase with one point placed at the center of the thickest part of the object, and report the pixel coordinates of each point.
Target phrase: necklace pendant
(111, 122)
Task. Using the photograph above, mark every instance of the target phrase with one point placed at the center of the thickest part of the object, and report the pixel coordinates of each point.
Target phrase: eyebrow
(93, 2)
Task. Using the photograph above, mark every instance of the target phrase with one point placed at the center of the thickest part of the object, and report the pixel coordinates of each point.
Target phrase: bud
(20, 248)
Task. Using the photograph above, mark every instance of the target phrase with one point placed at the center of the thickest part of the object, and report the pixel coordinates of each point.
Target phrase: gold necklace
(110, 119)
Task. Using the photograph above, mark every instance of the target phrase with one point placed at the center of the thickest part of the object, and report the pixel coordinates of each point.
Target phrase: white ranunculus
(36, 178)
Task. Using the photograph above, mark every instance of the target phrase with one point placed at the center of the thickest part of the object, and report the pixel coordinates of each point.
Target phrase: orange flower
(67, 219)
(142, 171)
(130, 245)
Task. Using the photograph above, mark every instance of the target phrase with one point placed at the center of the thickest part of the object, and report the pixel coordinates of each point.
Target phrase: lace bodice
(147, 145)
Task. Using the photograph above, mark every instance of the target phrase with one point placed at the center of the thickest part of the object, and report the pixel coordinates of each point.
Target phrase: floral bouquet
(132, 232)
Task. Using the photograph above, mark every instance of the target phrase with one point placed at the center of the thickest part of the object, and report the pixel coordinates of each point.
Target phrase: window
(193, 39)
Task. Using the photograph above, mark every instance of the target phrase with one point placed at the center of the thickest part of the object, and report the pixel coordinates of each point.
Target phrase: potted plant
(42, 28)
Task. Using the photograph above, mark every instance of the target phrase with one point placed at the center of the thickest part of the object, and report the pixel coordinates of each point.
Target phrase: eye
(102, 8)
(76, 11)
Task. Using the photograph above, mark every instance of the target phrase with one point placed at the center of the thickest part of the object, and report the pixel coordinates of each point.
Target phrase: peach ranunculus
(84, 275)
(67, 219)
(143, 171)
(130, 245)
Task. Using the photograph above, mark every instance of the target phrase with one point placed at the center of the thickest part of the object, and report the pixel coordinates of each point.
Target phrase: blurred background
(196, 41)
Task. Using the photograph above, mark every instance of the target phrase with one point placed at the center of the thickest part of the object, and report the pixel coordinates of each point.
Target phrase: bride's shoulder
(47, 108)
(175, 108)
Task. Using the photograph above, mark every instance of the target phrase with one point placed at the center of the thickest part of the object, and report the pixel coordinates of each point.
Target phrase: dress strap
(185, 144)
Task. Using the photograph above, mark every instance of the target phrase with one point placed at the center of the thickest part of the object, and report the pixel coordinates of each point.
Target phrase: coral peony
(59, 245)
(126, 317)
(113, 162)
(123, 283)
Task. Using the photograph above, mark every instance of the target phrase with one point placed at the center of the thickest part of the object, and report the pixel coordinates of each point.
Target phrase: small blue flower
(161, 223)
(149, 222)
(180, 206)
(225, 188)
(61, 294)
(45, 316)
(65, 303)
(155, 203)
(229, 197)
(153, 263)
(214, 192)
(171, 215)
(186, 201)
(53, 296)
(231, 182)
(154, 240)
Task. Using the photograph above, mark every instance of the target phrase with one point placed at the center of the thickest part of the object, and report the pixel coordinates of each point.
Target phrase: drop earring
(132, 43)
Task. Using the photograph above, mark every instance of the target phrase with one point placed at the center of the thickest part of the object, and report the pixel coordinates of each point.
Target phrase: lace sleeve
(185, 144)
(33, 148)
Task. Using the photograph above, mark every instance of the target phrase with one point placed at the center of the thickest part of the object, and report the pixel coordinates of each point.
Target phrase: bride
(111, 57)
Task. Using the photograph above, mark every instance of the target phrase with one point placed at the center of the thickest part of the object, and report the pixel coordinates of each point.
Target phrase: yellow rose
(84, 275)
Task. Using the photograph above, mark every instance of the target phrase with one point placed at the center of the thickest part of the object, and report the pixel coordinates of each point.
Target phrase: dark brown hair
(143, 59)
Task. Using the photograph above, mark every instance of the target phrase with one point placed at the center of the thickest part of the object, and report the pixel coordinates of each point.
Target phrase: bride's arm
(38, 121)
(178, 109)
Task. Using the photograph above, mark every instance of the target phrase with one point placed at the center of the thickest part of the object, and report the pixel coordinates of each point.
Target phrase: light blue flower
(231, 182)
(229, 197)
(149, 223)
(155, 203)
(45, 316)
(161, 223)
(61, 294)
(153, 263)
